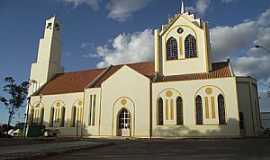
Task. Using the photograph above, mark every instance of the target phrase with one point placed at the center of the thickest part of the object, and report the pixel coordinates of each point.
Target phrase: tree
(16, 96)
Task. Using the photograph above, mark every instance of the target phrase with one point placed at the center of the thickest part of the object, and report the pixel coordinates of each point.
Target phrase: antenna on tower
(182, 7)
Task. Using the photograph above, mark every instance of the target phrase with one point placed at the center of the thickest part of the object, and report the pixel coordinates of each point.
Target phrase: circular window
(180, 30)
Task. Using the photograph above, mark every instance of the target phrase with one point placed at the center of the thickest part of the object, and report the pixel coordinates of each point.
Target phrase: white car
(13, 132)
(51, 132)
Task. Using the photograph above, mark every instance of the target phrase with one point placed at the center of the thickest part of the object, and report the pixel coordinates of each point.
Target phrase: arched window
(199, 111)
(241, 120)
(73, 117)
(41, 116)
(31, 117)
(52, 117)
(63, 112)
(160, 112)
(124, 119)
(179, 111)
(221, 110)
(190, 47)
(172, 53)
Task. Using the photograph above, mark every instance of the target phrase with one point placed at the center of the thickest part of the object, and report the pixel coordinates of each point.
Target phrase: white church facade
(183, 93)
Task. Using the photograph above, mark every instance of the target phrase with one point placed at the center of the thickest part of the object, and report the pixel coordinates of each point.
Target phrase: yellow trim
(206, 107)
(79, 112)
(213, 107)
(167, 109)
(164, 90)
(168, 31)
(180, 48)
(114, 122)
(172, 109)
(191, 80)
(196, 93)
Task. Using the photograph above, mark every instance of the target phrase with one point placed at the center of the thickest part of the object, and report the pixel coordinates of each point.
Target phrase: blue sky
(96, 33)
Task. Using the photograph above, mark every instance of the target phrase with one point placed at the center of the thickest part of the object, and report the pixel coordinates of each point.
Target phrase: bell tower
(182, 46)
(48, 62)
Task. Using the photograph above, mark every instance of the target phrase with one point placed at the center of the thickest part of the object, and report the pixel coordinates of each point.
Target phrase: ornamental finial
(183, 7)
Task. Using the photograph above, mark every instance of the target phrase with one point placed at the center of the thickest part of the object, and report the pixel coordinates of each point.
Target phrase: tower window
(49, 25)
(172, 53)
(57, 27)
(190, 47)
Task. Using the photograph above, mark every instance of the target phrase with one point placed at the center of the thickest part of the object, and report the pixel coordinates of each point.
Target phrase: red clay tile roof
(69, 82)
(77, 81)
(146, 68)
(219, 70)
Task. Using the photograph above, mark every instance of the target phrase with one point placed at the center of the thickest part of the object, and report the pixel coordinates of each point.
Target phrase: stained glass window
(172, 53)
(199, 111)
(179, 111)
(190, 47)
(221, 110)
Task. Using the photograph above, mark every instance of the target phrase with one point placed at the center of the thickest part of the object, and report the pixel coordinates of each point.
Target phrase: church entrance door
(124, 123)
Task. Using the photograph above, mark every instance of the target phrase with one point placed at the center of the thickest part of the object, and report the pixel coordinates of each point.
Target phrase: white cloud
(88, 50)
(202, 5)
(94, 4)
(227, 1)
(227, 40)
(127, 48)
(120, 10)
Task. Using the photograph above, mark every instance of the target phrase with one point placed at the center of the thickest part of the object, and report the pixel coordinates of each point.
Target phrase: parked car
(14, 132)
(1, 131)
(51, 132)
(267, 131)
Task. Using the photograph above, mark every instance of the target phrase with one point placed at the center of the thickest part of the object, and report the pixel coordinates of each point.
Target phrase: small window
(63, 112)
(160, 111)
(41, 116)
(241, 120)
(179, 111)
(94, 111)
(199, 111)
(52, 117)
(31, 117)
(73, 116)
(221, 110)
(190, 47)
(172, 53)
(90, 111)
(124, 119)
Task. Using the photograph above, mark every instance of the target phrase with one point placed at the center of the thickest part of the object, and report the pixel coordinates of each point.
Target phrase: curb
(30, 156)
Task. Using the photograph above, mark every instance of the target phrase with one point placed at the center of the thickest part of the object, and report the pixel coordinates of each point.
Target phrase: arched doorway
(124, 119)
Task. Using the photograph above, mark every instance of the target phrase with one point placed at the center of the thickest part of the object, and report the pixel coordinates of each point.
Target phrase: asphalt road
(186, 149)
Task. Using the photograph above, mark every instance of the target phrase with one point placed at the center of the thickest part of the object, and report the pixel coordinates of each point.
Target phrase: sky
(97, 33)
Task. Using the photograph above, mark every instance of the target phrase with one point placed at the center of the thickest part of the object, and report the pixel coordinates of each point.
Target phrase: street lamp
(262, 47)
(268, 92)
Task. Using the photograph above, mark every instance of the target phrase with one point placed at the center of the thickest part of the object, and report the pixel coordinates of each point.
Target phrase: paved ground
(34, 151)
(4, 142)
(189, 149)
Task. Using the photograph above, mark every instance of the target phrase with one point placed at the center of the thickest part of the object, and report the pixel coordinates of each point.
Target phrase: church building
(183, 93)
